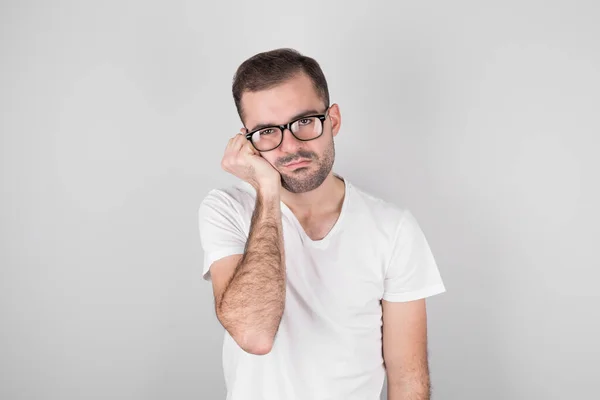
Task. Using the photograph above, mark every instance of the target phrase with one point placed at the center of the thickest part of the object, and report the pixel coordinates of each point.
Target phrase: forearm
(414, 385)
(252, 304)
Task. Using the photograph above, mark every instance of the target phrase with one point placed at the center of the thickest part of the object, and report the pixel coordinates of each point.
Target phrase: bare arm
(251, 302)
(405, 350)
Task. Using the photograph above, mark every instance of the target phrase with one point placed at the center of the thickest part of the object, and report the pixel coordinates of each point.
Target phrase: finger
(243, 134)
(233, 143)
(231, 140)
(238, 142)
(249, 148)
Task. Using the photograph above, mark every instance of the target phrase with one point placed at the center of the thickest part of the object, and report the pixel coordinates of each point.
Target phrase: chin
(305, 184)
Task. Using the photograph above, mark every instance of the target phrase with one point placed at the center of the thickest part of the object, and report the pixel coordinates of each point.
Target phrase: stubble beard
(299, 181)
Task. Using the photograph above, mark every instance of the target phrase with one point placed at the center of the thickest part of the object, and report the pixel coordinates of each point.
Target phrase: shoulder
(381, 210)
(396, 222)
(391, 218)
(237, 198)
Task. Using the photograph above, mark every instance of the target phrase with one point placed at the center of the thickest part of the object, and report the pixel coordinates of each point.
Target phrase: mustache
(301, 154)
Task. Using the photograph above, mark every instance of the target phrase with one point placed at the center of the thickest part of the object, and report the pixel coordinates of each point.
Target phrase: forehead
(281, 103)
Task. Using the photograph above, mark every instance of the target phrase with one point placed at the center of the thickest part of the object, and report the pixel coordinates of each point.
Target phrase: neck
(325, 198)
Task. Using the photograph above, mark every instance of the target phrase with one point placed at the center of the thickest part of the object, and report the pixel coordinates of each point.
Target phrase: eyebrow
(295, 117)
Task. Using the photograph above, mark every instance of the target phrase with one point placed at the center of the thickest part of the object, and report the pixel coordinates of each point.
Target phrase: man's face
(280, 105)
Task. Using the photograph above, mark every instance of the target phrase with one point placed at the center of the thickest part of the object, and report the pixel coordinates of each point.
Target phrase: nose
(289, 143)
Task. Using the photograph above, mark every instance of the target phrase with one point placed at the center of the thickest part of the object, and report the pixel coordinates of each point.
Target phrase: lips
(297, 163)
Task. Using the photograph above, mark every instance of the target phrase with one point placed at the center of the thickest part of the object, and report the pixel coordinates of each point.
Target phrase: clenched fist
(244, 161)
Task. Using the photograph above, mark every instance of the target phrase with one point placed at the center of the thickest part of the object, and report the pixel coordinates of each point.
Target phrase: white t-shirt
(329, 342)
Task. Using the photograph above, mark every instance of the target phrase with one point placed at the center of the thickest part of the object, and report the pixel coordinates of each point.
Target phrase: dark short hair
(271, 68)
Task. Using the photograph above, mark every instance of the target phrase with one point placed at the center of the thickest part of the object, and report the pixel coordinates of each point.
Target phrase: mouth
(297, 163)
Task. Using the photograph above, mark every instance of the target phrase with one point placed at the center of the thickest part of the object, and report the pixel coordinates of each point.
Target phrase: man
(319, 285)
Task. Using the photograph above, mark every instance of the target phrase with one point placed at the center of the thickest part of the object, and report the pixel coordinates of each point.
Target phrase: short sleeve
(412, 272)
(221, 228)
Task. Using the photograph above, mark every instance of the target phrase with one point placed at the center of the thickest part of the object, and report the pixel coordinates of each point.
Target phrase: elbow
(250, 341)
(259, 345)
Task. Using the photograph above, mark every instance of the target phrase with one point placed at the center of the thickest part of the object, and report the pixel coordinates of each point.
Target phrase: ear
(336, 118)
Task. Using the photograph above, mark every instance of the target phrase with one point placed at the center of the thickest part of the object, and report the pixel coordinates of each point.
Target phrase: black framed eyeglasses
(309, 127)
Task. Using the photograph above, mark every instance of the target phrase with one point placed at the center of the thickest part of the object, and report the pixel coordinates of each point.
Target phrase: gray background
(481, 117)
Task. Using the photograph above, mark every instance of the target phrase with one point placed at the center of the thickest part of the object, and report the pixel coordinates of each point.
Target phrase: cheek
(270, 157)
(321, 147)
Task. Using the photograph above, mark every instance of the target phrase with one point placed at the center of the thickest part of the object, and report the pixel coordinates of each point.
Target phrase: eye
(305, 121)
(267, 131)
